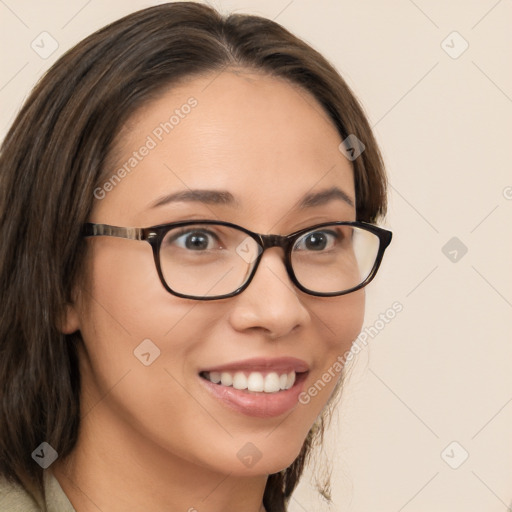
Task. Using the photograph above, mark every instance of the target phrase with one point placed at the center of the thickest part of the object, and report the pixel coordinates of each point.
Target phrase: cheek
(339, 321)
(131, 323)
(141, 344)
(125, 292)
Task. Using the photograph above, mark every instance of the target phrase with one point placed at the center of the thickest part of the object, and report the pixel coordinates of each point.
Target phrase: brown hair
(54, 156)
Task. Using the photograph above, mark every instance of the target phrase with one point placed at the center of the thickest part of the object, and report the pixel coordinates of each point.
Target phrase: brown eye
(194, 240)
(317, 241)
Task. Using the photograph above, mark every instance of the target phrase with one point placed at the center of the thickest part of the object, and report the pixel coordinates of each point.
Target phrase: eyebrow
(223, 197)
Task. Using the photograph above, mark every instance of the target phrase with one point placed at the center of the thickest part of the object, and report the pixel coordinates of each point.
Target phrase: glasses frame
(154, 235)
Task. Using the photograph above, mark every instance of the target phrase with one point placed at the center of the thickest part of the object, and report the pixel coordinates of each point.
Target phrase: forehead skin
(263, 139)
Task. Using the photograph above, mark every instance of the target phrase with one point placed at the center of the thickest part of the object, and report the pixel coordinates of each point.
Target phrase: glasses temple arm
(91, 229)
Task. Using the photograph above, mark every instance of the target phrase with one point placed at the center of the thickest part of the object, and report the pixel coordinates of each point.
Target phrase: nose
(271, 303)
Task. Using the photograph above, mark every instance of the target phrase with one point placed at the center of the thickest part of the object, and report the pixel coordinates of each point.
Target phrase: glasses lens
(210, 260)
(207, 260)
(334, 258)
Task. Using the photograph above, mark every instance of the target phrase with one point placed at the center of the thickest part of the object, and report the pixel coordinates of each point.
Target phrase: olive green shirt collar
(14, 498)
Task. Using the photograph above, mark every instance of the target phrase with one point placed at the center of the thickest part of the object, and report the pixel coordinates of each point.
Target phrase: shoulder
(14, 498)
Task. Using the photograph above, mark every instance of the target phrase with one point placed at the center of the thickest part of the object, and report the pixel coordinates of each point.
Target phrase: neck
(113, 467)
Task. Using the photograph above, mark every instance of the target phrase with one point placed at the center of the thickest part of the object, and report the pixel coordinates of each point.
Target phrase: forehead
(264, 140)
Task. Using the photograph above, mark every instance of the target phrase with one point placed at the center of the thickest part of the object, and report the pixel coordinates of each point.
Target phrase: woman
(187, 209)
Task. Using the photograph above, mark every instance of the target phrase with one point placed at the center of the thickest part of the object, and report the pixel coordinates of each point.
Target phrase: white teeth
(291, 380)
(240, 381)
(226, 379)
(272, 383)
(256, 381)
(215, 377)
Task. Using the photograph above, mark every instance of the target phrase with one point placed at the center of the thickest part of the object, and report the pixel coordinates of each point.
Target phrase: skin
(151, 437)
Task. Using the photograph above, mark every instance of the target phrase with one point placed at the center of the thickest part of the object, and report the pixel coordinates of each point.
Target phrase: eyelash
(183, 232)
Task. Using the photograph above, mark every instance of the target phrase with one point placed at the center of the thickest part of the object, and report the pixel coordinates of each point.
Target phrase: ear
(70, 321)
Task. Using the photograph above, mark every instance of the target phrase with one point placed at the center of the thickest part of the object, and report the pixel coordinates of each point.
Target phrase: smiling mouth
(255, 382)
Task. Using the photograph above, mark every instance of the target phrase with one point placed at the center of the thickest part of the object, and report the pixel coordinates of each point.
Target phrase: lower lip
(259, 405)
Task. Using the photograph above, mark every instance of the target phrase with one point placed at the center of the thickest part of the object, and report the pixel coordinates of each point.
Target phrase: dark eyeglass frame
(155, 234)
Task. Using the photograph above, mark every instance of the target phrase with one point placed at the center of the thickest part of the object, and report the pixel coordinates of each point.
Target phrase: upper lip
(283, 364)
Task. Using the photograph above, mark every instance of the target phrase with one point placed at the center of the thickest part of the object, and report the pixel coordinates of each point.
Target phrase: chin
(265, 457)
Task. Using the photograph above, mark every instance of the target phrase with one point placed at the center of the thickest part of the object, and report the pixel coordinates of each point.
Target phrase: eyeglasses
(207, 260)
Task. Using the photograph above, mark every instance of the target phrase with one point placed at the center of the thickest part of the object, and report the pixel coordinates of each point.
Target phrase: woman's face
(268, 144)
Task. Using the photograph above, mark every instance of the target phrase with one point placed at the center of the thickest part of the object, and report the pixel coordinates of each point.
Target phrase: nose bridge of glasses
(274, 241)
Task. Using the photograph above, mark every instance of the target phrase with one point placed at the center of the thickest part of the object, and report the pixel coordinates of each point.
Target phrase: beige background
(440, 370)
